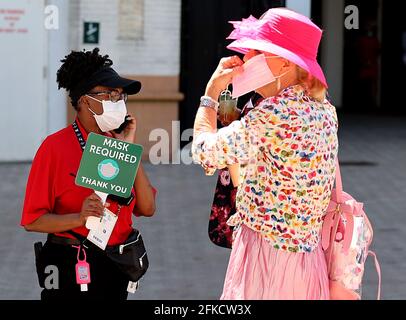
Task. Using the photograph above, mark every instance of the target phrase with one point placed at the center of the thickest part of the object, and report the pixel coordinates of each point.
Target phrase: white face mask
(113, 114)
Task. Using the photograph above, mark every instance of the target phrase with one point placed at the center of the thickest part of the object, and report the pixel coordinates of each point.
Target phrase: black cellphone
(123, 125)
(122, 201)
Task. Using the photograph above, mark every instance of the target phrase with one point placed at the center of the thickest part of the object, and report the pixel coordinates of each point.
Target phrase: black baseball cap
(107, 77)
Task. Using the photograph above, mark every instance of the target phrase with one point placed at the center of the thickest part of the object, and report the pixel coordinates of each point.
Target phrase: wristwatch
(208, 102)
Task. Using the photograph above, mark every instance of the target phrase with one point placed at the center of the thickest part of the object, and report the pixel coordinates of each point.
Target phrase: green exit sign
(91, 31)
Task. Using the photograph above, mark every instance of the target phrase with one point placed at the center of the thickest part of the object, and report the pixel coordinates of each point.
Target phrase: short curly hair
(80, 65)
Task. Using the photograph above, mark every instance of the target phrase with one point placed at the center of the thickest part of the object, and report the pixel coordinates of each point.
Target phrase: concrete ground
(183, 262)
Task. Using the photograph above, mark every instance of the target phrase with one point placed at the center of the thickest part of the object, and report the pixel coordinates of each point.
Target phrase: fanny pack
(130, 257)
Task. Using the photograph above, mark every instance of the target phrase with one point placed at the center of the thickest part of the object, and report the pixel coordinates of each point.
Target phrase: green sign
(91, 32)
(109, 165)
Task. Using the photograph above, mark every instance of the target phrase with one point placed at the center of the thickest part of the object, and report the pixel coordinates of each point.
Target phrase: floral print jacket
(287, 148)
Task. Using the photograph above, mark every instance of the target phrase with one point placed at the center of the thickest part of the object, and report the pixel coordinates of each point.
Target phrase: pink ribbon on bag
(335, 211)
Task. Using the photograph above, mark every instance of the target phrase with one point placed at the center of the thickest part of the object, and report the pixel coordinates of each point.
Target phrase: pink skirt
(257, 271)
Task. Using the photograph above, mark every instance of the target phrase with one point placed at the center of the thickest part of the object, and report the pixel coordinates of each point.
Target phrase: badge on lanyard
(82, 269)
(101, 232)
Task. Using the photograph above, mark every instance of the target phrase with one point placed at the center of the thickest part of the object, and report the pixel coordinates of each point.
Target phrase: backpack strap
(378, 270)
(332, 218)
(350, 219)
(339, 183)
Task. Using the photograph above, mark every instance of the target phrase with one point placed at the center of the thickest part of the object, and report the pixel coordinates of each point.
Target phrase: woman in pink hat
(285, 149)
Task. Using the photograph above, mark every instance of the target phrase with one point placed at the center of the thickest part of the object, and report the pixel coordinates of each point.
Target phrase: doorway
(203, 42)
(362, 59)
(22, 78)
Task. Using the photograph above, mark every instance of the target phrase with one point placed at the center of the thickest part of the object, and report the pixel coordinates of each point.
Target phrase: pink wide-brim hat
(284, 33)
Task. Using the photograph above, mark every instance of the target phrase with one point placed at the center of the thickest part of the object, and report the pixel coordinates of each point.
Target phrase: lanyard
(79, 135)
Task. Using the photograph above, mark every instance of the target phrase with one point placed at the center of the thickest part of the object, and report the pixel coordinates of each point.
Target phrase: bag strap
(76, 235)
(378, 270)
(339, 182)
(336, 220)
(328, 233)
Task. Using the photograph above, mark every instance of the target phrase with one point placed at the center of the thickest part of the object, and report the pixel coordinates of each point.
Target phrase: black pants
(107, 282)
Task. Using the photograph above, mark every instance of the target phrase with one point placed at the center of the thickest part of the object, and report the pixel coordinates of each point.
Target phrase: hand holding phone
(127, 130)
(123, 125)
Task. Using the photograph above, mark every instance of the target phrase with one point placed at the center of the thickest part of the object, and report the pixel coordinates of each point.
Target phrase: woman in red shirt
(54, 204)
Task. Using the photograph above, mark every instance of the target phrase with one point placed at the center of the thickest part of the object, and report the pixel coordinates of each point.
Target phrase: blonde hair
(313, 86)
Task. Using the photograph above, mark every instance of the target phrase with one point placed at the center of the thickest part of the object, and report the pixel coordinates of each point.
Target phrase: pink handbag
(346, 237)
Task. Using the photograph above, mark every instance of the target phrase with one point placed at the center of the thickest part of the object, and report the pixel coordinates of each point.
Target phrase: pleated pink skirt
(257, 271)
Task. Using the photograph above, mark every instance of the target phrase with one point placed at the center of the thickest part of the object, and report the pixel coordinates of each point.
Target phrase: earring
(278, 84)
(278, 81)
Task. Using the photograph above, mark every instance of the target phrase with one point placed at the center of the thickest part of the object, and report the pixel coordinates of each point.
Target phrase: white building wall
(154, 51)
(145, 41)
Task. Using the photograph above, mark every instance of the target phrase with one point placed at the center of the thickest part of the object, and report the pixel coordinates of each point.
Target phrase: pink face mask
(256, 74)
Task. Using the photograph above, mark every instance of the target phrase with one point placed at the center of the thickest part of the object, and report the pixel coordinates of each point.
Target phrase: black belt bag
(130, 257)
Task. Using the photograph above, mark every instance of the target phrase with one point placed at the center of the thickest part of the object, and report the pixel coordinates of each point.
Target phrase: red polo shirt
(51, 185)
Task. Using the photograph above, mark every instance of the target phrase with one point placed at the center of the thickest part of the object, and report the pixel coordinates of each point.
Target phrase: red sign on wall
(9, 20)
